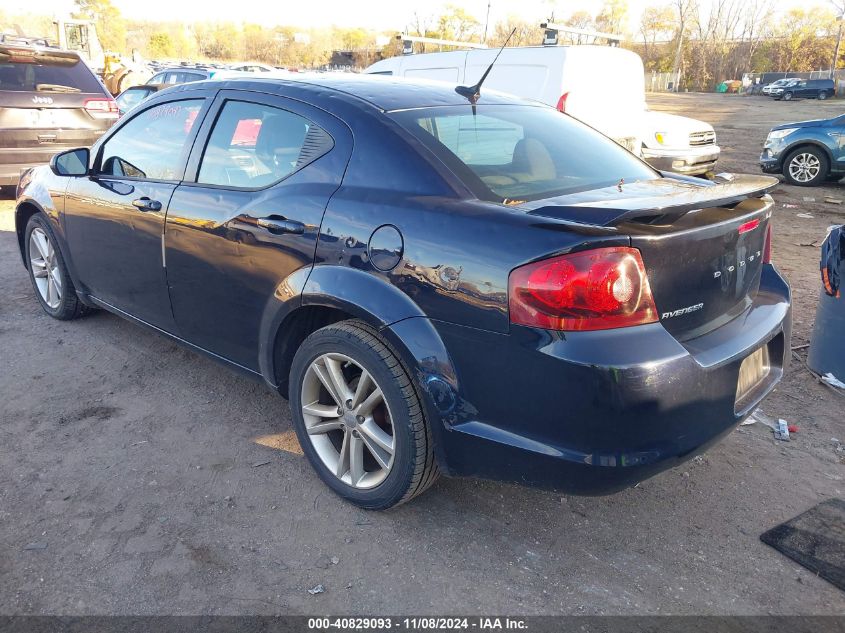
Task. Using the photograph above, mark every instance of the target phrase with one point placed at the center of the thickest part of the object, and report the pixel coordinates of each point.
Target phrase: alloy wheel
(348, 420)
(804, 167)
(45, 268)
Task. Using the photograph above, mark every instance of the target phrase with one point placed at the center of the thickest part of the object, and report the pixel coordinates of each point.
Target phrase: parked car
(807, 153)
(131, 97)
(780, 83)
(49, 100)
(253, 67)
(437, 286)
(181, 75)
(805, 89)
(565, 77)
(679, 144)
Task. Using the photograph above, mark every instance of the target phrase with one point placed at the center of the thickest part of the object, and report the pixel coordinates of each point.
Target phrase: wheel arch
(333, 294)
(807, 143)
(23, 212)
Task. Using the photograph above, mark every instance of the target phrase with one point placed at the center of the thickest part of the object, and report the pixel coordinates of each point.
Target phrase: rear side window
(67, 76)
(254, 145)
(151, 145)
(521, 153)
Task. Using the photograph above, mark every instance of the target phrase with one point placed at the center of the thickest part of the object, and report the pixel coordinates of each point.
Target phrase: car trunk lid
(702, 244)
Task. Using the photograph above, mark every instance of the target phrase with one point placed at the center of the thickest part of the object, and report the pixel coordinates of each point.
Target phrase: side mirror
(73, 162)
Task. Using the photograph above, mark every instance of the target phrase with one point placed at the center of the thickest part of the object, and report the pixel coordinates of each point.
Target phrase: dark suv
(805, 89)
(49, 101)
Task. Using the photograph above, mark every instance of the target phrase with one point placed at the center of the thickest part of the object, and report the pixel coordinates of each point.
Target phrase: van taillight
(561, 103)
(597, 289)
(767, 245)
(102, 108)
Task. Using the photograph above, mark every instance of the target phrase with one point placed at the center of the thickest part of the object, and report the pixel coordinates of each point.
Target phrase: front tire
(48, 272)
(787, 96)
(806, 167)
(358, 417)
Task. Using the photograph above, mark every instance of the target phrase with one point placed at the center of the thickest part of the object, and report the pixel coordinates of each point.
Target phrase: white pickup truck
(678, 143)
(600, 85)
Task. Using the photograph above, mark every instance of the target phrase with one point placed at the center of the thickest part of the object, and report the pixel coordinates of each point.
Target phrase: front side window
(254, 145)
(152, 144)
(521, 153)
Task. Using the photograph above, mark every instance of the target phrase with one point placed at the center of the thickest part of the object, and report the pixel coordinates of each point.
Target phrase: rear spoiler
(10, 54)
(691, 195)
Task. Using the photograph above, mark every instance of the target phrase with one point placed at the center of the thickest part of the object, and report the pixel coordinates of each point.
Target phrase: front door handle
(278, 225)
(146, 204)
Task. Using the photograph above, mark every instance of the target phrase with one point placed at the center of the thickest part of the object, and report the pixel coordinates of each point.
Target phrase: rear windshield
(69, 76)
(522, 153)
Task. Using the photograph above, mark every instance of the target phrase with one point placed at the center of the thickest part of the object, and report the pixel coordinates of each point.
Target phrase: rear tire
(806, 167)
(48, 273)
(822, 95)
(392, 440)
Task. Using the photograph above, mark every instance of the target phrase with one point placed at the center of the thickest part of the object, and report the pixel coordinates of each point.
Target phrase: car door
(114, 218)
(248, 215)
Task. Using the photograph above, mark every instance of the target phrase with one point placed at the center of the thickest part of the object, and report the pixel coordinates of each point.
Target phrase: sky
(373, 14)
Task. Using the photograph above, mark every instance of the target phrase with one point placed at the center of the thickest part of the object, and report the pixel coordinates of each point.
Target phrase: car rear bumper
(693, 161)
(14, 160)
(595, 412)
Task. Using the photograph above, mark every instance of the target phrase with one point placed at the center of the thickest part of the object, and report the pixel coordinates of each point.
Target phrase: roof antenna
(472, 93)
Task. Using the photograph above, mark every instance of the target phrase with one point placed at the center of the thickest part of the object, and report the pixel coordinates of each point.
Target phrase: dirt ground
(139, 478)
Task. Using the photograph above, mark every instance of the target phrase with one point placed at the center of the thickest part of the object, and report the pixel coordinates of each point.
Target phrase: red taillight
(748, 226)
(591, 290)
(561, 103)
(102, 108)
(767, 245)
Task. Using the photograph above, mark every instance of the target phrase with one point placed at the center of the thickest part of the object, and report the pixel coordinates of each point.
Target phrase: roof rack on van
(409, 40)
(550, 37)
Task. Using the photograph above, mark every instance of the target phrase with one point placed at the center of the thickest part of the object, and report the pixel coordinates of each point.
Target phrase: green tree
(160, 45)
(657, 24)
(613, 16)
(111, 27)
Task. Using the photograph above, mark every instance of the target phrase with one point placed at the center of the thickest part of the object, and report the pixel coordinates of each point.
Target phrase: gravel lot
(139, 478)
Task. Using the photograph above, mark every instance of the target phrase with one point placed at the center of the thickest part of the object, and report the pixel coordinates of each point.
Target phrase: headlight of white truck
(665, 138)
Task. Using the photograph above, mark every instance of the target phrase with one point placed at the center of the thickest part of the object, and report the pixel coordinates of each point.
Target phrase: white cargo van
(602, 86)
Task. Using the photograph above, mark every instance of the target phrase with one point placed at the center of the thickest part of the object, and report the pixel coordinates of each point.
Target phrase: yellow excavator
(116, 71)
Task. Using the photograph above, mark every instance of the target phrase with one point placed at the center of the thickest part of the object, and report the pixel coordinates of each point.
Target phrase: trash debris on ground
(316, 589)
(833, 200)
(833, 381)
(261, 463)
(807, 216)
(335, 560)
(789, 206)
(808, 199)
(32, 546)
(781, 427)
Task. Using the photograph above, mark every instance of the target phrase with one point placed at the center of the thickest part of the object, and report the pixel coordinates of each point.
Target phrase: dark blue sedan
(807, 153)
(479, 287)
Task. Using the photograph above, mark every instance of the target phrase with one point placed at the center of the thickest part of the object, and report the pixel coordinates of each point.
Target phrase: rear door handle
(280, 225)
(146, 204)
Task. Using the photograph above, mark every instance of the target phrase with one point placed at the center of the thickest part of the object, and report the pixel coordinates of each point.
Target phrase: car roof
(383, 92)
